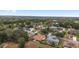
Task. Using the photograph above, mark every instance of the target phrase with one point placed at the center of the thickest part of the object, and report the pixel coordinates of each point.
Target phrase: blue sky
(71, 13)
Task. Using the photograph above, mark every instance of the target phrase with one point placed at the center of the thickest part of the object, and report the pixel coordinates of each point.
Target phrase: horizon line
(38, 16)
(52, 13)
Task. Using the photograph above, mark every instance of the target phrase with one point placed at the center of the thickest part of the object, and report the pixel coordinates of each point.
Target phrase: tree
(77, 35)
(9, 33)
(21, 42)
(26, 36)
(44, 31)
(75, 25)
(19, 33)
(60, 34)
(3, 37)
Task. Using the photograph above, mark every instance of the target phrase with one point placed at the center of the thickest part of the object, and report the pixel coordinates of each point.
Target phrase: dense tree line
(69, 23)
(17, 36)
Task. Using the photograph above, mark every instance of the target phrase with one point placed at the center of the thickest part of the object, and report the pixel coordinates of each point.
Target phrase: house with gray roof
(52, 39)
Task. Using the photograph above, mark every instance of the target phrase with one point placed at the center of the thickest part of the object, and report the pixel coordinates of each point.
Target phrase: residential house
(52, 39)
(39, 37)
(71, 37)
(71, 41)
(39, 27)
(57, 29)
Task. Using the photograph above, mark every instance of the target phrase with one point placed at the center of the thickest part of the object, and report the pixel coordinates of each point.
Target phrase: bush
(3, 37)
(44, 42)
(77, 35)
(26, 36)
(44, 31)
(60, 34)
(19, 33)
(21, 42)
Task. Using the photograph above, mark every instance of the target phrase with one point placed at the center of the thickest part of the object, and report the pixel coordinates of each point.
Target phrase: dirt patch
(36, 44)
(30, 44)
(9, 45)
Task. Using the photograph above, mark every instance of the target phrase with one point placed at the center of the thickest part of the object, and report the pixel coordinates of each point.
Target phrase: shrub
(3, 37)
(44, 31)
(26, 36)
(21, 42)
(20, 33)
(77, 35)
(60, 34)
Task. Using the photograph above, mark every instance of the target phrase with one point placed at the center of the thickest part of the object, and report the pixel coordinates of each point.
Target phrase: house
(71, 41)
(29, 29)
(52, 39)
(31, 34)
(71, 37)
(58, 29)
(39, 37)
(72, 31)
(61, 29)
(39, 27)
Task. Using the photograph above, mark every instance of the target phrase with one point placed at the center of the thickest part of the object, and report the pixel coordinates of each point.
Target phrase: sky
(68, 13)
